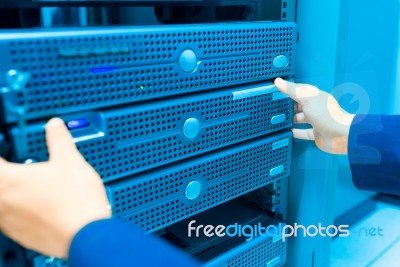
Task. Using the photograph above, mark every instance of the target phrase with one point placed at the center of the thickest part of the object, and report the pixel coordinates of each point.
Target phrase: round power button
(280, 61)
(193, 190)
(191, 128)
(188, 60)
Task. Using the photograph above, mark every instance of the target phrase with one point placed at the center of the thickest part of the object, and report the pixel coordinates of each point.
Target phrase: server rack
(202, 95)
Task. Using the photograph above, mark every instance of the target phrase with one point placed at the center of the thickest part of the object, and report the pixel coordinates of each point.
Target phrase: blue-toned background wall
(367, 72)
(349, 48)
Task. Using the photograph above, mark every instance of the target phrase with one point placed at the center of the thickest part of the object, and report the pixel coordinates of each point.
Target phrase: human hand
(331, 124)
(43, 205)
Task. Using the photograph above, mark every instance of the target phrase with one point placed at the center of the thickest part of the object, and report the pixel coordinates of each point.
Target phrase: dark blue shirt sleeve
(374, 153)
(113, 243)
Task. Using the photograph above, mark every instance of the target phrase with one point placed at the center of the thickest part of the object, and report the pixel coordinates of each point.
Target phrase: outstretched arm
(372, 142)
(60, 208)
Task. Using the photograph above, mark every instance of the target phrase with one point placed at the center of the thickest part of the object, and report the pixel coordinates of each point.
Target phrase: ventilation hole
(57, 79)
(242, 171)
(259, 254)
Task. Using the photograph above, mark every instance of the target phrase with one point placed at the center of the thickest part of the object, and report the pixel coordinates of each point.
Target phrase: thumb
(59, 140)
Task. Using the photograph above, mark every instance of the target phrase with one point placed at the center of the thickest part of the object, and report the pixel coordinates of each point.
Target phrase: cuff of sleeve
(364, 139)
(363, 153)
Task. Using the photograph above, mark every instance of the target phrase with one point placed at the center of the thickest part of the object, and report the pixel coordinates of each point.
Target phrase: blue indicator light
(103, 69)
(78, 123)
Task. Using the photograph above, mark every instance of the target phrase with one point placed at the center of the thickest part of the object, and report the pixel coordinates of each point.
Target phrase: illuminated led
(77, 123)
(103, 69)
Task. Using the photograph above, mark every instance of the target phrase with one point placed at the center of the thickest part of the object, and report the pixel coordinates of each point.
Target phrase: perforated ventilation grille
(112, 68)
(158, 199)
(284, 13)
(260, 255)
(142, 138)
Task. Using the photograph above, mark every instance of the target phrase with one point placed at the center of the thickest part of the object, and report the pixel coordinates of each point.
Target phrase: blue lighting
(77, 123)
(103, 69)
